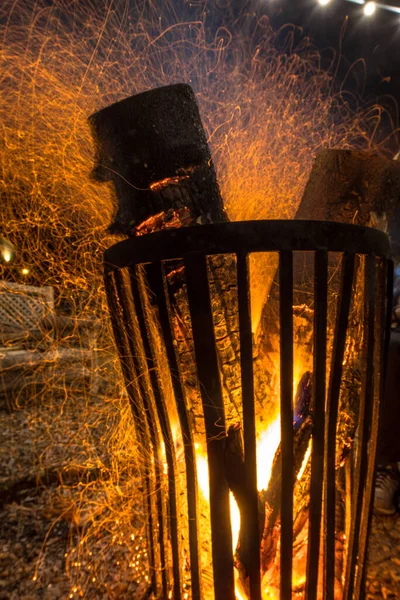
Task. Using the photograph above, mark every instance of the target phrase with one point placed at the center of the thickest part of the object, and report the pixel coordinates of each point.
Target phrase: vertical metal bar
(378, 368)
(318, 439)
(165, 428)
(286, 382)
(128, 325)
(157, 284)
(364, 424)
(389, 308)
(332, 415)
(130, 377)
(214, 420)
(384, 325)
(249, 422)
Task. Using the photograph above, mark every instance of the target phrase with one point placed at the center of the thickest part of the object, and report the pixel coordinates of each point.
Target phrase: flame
(267, 445)
(305, 461)
(203, 482)
(235, 520)
(202, 471)
(238, 594)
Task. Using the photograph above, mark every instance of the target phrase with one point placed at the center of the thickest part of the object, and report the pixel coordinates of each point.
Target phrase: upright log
(154, 150)
(348, 186)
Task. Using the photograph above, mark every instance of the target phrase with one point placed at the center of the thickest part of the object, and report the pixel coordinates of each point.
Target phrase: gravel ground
(50, 490)
(38, 530)
(383, 575)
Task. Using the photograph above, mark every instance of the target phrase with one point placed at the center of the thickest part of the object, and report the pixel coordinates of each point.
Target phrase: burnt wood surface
(154, 150)
(269, 499)
(347, 185)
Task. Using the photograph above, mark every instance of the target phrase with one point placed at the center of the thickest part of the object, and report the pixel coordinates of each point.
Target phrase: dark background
(367, 51)
(374, 39)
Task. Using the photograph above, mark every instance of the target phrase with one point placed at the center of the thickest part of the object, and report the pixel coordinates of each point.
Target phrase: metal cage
(177, 280)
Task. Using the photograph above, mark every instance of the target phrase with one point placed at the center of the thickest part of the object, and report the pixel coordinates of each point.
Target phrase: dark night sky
(375, 39)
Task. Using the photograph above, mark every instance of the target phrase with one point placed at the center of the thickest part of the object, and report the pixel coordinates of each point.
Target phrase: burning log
(361, 188)
(270, 499)
(351, 187)
(153, 148)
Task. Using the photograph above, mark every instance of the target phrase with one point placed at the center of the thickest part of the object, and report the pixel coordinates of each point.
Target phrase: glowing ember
(305, 462)
(171, 219)
(159, 185)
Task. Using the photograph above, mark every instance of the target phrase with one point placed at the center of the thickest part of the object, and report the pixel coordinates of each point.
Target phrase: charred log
(154, 150)
(350, 186)
(269, 500)
(271, 497)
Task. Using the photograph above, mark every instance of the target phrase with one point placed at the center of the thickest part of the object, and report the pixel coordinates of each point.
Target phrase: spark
(267, 107)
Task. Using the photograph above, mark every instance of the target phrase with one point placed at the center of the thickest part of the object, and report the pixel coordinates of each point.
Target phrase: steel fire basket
(253, 355)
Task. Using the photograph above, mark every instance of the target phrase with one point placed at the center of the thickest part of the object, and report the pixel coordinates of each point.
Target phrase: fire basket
(258, 433)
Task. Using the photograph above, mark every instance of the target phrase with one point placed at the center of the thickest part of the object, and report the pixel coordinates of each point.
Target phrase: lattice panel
(23, 307)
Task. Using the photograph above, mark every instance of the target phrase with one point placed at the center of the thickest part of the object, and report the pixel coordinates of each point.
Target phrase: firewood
(236, 479)
(269, 500)
(349, 186)
(153, 148)
(360, 188)
(271, 497)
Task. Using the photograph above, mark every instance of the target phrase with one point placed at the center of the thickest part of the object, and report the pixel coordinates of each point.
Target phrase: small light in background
(369, 9)
(25, 271)
(7, 251)
(323, 2)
